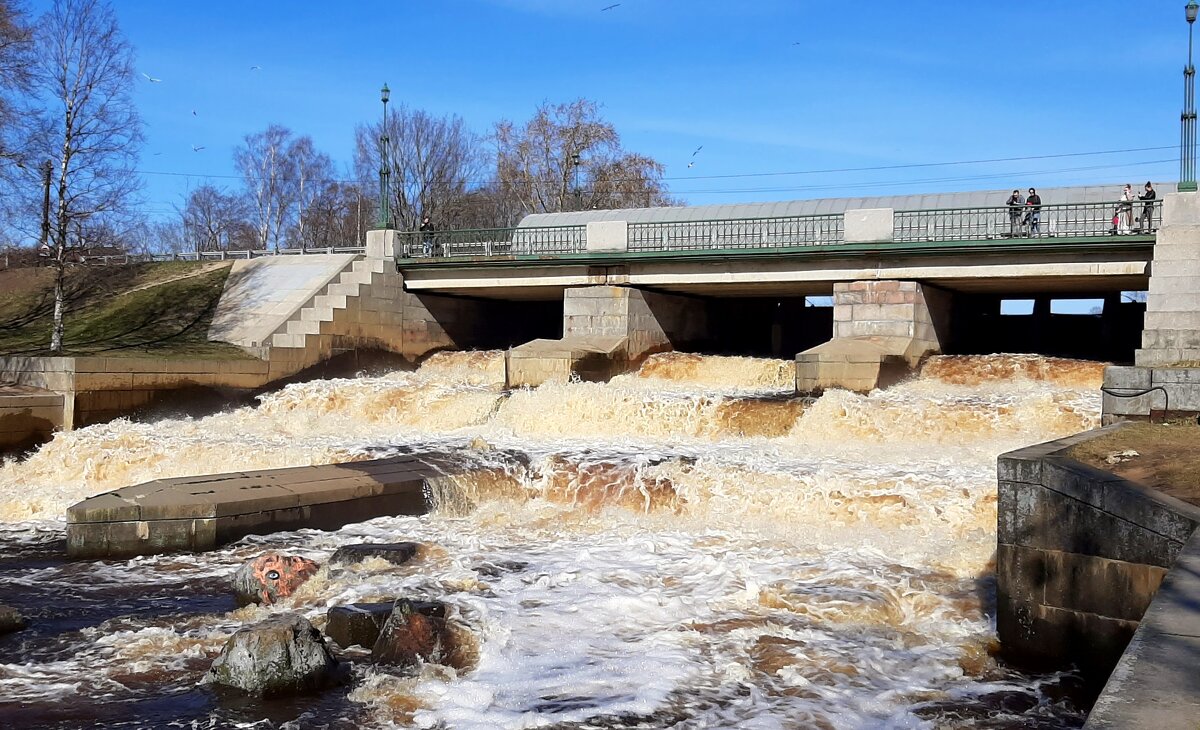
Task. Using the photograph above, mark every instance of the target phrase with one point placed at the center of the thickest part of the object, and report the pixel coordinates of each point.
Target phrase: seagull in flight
(610, 7)
(256, 68)
(197, 149)
(193, 112)
(693, 162)
(150, 78)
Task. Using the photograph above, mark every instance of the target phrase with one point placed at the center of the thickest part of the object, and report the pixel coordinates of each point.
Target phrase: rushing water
(687, 546)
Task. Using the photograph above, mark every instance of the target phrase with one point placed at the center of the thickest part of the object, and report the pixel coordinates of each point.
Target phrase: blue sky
(765, 87)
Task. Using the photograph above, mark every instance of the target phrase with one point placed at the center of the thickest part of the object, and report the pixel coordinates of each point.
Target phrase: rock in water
(283, 655)
(415, 632)
(358, 623)
(10, 620)
(394, 552)
(270, 577)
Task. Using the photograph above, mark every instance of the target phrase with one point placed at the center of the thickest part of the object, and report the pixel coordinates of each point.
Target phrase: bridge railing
(484, 242)
(1059, 220)
(743, 233)
(241, 253)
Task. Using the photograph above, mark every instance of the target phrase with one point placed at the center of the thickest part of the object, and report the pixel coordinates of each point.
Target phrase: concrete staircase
(1171, 335)
(345, 313)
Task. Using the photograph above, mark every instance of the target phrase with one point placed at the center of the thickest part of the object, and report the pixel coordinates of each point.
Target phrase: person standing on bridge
(427, 230)
(1034, 216)
(1125, 211)
(1015, 203)
(1146, 222)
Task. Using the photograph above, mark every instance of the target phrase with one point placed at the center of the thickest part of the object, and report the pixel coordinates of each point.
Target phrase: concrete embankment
(200, 513)
(1086, 562)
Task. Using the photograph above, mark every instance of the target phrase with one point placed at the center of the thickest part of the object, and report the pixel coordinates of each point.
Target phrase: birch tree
(84, 68)
(269, 175)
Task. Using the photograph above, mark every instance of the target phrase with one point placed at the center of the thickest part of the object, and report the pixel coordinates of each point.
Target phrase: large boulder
(393, 552)
(10, 620)
(358, 623)
(269, 577)
(281, 656)
(415, 632)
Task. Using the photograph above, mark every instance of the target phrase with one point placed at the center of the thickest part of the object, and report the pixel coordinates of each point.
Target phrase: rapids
(686, 546)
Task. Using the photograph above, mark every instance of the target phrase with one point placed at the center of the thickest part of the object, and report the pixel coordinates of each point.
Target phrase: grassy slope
(144, 310)
(1167, 456)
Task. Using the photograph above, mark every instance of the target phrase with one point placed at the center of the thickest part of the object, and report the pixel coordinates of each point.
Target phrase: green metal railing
(484, 242)
(1063, 220)
(743, 233)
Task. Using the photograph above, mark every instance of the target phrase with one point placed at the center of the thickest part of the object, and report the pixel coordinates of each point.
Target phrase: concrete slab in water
(202, 512)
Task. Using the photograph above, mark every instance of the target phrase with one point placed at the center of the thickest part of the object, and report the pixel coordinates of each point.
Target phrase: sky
(764, 87)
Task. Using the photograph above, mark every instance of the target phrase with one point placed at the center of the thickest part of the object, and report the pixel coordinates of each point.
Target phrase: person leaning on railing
(1146, 221)
(1015, 203)
(427, 231)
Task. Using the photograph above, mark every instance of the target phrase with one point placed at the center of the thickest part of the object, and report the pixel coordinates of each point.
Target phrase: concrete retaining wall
(1179, 396)
(1080, 554)
(28, 416)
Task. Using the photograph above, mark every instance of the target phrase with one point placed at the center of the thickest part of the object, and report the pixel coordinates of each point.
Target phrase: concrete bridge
(591, 293)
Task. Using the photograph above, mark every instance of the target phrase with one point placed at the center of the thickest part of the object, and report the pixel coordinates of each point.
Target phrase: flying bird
(610, 7)
(256, 68)
(150, 78)
(193, 112)
(197, 149)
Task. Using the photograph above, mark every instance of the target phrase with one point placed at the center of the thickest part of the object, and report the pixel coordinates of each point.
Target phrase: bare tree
(16, 74)
(85, 70)
(269, 177)
(432, 163)
(211, 217)
(568, 158)
(338, 216)
(314, 175)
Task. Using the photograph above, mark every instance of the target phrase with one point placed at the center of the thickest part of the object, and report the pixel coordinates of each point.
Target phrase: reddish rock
(415, 632)
(269, 577)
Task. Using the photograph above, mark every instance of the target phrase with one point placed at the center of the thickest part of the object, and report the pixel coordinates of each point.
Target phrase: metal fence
(1064, 220)
(122, 259)
(745, 233)
(483, 242)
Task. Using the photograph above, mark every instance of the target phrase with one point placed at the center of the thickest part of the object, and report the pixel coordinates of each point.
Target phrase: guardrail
(809, 230)
(1060, 220)
(483, 242)
(121, 259)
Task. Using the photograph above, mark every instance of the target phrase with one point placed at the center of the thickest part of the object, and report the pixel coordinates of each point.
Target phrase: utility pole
(385, 193)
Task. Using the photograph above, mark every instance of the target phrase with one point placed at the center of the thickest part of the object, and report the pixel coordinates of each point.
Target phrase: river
(687, 546)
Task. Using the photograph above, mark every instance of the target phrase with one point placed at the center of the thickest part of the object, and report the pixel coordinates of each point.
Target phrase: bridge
(591, 293)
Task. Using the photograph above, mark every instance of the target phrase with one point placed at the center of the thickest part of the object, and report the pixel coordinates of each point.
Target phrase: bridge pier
(881, 330)
(608, 330)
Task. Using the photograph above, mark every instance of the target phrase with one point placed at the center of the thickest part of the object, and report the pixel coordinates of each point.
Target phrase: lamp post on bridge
(385, 193)
(1187, 159)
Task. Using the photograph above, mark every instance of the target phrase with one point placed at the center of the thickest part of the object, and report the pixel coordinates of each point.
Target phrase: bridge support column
(881, 330)
(1171, 333)
(607, 330)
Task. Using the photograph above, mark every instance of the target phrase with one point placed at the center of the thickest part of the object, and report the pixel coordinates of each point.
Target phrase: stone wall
(1171, 332)
(1174, 392)
(98, 389)
(27, 416)
(1080, 554)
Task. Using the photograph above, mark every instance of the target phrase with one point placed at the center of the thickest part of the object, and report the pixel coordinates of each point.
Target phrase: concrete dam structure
(591, 294)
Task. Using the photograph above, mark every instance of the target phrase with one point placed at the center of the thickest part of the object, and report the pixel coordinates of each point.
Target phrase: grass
(1167, 456)
(158, 310)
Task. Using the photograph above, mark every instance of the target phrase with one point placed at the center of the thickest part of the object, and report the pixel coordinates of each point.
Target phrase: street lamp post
(578, 191)
(1187, 159)
(385, 193)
